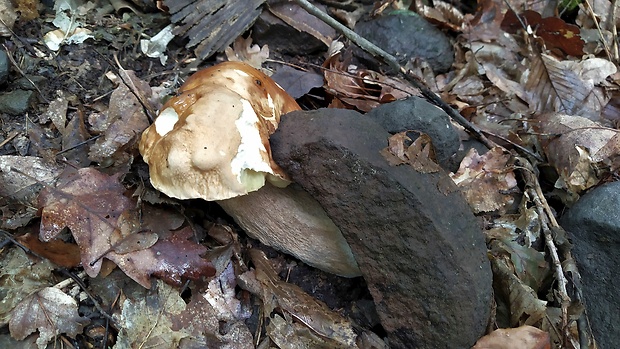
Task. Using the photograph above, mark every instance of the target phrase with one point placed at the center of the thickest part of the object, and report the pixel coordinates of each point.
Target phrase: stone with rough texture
(406, 35)
(4, 67)
(16, 102)
(415, 113)
(421, 251)
(593, 225)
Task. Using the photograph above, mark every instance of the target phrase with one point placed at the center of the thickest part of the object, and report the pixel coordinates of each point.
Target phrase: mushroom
(211, 141)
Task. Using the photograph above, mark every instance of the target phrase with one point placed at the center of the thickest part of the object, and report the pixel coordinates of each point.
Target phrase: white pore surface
(251, 154)
(166, 120)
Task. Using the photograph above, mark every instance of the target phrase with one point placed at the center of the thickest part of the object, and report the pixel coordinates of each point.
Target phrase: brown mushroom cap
(212, 140)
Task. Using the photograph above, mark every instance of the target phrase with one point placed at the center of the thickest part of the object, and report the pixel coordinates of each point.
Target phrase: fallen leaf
(51, 312)
(419, 154)
(242, 50)
(485, 25)
(567, 87)
(524, 307)
(298, 18)
(57, 251)
(145, 320)
(104, 224)
(486, 180)
(443, 14)
(126, 119)
(90, 204)
(557, 34)
(211, 309)
(297, 82)
(364, 89)
(581, 151)
(174, 258)
(333, 330)
(74, 145)
(20, 277)
(20, 176)
(57, 112)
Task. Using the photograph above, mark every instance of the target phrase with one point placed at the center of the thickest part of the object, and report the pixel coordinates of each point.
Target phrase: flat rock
(16, 102)
(406, 35)
(593, 225)
(415, 113)
(421, 251)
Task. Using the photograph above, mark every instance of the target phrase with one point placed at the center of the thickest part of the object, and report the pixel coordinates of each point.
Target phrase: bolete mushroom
(211, 141)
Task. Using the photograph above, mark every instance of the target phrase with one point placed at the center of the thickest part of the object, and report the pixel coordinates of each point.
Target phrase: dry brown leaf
(486, 181)
(567, 87)
(15, 185)
(160, 318)
(298, 18)
(443, 14)
(558, 36)
(524, 337)
(580, 150)
(20, 277)
(51, 312)
(126, 120)
(420, 154)
(73, 142)
(364, 89)
(174, 258)
(209, 309)
(242, 50)
(485, 25)
(57, 112)
(89, 203)
(522, 301)
(57, 251)
(103, 224)
(146, 321)
(333, 329)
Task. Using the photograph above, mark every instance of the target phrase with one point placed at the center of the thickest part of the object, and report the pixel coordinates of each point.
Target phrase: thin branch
(394, 64)
(16, 66)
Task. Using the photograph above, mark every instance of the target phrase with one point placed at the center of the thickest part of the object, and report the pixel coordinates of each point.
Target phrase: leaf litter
(527, 86)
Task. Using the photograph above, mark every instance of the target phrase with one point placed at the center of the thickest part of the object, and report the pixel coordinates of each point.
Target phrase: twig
(548, 220)
(614, 30)
(10, 56)
(77, 278)
(394, 64)
(128, 81)
(79, 144)
(598, 28)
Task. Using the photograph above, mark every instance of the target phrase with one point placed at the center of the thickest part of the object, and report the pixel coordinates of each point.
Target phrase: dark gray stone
(593, 225)
(16, 102)
(30, 83)
(421, 251)
(406, 35)
(4, 67)
(415, 113)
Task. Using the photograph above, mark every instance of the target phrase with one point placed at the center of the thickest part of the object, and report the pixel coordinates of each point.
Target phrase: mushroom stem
(292, 221)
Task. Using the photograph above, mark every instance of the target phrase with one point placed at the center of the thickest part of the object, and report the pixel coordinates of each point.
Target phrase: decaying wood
(212, 25)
